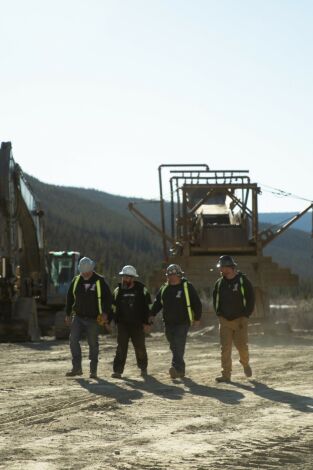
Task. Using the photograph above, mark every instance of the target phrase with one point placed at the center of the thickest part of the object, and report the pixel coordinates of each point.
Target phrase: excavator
(33, 284)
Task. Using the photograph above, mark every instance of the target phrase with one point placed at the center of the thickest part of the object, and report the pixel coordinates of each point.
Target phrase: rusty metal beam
(270, 235)
(150, 224)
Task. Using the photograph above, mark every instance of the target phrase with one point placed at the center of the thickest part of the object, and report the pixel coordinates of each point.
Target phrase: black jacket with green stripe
(84, 301)
(172, 299)
(233, 298)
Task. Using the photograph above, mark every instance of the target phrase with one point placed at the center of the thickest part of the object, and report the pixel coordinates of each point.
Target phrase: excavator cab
(62, 267)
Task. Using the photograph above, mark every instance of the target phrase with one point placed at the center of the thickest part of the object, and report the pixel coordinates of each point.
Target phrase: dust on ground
(48, 421)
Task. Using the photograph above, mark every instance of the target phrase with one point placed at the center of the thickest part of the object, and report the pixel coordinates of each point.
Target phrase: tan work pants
(233, 331)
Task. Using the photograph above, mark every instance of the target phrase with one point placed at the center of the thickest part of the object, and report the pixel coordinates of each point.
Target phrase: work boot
(116, 375)
(144, 373)
(93, 374)
(74, 372)
(248, 371)
(222, 379)
(173, 373)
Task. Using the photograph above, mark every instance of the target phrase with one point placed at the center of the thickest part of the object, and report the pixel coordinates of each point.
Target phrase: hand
(146, 328)
(105, 318)
(108, 327)
(196, 323)
(68, 320)
(151, 319)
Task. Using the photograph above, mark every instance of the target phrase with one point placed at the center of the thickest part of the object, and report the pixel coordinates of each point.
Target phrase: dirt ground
(48, 421)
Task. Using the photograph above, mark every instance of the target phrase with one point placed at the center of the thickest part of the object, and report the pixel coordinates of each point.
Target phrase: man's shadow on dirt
(111, 390)
(230, 397)
(152, 385)
(298, 402)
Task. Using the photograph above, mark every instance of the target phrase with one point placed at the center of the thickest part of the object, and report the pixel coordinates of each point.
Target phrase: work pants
(176, 335)
(81, 325)
(233, 331)
(125, 332)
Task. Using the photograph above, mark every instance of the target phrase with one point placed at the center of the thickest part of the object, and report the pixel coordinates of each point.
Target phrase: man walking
(89, 302)
(131, 310)
(181, 309)
(233, 299)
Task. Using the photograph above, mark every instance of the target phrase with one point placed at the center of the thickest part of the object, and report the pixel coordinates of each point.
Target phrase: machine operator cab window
(62, 268)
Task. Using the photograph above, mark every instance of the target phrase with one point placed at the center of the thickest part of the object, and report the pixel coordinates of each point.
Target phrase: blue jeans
(78, 327)
(176, 335)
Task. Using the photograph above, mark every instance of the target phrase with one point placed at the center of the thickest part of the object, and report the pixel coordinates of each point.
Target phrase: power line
(282, 193)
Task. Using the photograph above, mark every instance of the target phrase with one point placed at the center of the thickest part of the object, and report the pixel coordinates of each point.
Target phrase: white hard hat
(128, 270)
(86, 265)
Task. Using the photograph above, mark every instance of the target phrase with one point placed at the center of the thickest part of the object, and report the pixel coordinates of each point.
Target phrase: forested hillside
(99, 225)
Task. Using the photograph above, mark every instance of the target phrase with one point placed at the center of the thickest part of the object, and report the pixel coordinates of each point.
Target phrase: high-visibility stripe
(75, 285)
(188, 302)
(163, 287)
(187, 297)
(98, 287)
(115, 294)
(242, 290)
(217, 300)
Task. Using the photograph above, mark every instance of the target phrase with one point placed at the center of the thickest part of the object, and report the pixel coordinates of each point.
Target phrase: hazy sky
(99, 93)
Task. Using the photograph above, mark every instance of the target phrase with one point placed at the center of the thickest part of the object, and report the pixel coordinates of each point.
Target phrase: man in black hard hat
(181, 308)
(233, 299)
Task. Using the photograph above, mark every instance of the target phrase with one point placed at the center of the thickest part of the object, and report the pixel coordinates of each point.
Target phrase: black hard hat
(226, 260)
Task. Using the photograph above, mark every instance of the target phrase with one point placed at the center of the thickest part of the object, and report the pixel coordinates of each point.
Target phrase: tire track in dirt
(47, 413)
(272, 453)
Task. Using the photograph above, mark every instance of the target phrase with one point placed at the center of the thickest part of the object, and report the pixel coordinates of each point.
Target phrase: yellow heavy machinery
(32, 286)
(215, 212)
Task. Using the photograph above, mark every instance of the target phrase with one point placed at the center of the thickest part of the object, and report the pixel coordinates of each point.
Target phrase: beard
(127, 283)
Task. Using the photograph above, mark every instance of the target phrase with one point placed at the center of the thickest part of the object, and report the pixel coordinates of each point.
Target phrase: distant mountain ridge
(99, 225)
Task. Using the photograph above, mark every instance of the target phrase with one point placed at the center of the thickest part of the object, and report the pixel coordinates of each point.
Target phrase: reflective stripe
(242, 290)
(75, 285)
(163, 287)
(188, 302)
(217, 300)
(98, 287)
(115, 294)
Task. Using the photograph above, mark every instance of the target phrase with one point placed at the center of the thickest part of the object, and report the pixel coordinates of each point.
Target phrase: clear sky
(99, 93)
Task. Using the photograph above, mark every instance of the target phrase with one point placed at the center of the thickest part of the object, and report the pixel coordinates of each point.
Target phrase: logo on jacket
(179, 294)
(91, 287)
(235, 287)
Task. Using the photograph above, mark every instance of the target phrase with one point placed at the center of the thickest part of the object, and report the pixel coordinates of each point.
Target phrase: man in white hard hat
(131, 310)
(88, 304)
(181, 309)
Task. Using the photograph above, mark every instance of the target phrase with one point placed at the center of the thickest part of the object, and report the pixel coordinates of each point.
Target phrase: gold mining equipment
(213, 213)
